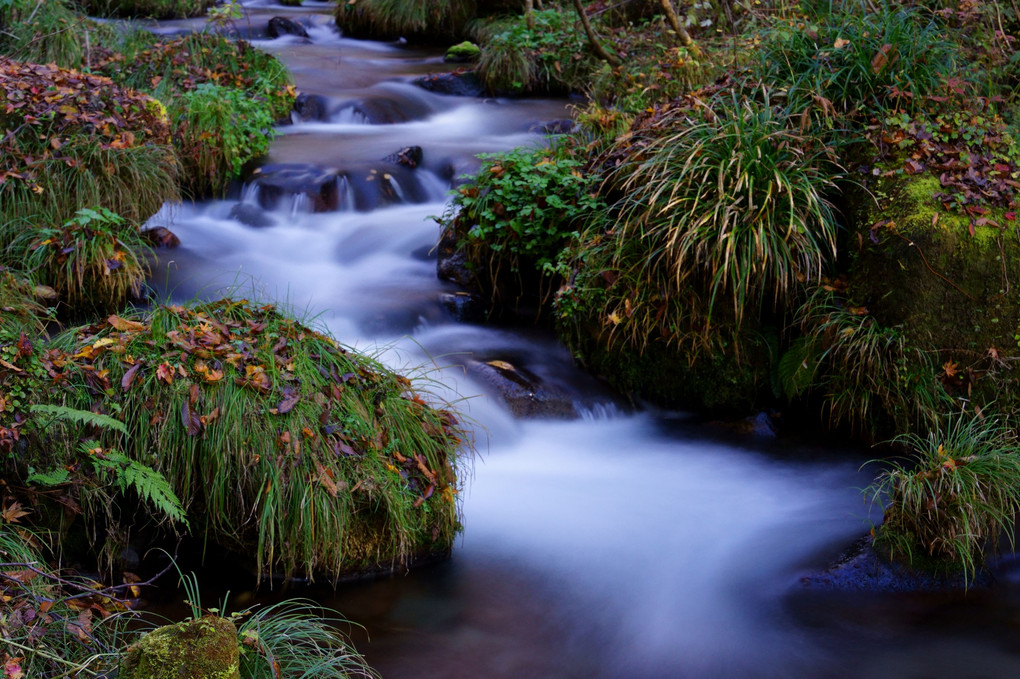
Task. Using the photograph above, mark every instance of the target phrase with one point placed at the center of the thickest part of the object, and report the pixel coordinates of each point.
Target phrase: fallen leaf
(124, 325)
(190, 419)
(129, 376)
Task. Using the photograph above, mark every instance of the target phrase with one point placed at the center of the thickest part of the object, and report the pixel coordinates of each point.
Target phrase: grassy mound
(50, 32)
(223, 98)
(276, 440)
(150, 9)
(429, 20)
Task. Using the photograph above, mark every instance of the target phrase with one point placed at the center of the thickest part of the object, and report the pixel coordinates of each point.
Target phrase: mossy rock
(279, 442)
(206, 648)
(948, 280)
(463, 52)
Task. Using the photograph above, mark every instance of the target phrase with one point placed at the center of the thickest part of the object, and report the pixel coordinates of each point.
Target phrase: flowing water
(615, 545)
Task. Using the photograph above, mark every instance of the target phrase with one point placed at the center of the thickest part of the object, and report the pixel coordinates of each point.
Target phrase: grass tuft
(957, 498)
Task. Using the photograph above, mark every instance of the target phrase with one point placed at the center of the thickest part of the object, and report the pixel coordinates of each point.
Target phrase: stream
(615, 545)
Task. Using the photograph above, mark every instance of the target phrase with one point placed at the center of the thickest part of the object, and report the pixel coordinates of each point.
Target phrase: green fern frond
(151, 486)
(84, 417)
(56, 477)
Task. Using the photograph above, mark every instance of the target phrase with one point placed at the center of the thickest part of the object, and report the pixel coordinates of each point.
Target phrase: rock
(860, 568)
(561, 126)
(383, 111)
(251, 215)
(522, 391)
(458, 83)
(463, 53)
(452, 264)
(409, 156)
(280, 26)
(277, 181)
(311, 107)
(161, 237)
(464, 307)
(198, 649)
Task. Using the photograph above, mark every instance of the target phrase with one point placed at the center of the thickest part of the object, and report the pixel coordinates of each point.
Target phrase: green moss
(954, 295)
(206, 648)
(462, 52)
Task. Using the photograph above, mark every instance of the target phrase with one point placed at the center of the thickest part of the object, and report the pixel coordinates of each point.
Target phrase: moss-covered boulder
(206, 648)
(462, 52)
(279, 443)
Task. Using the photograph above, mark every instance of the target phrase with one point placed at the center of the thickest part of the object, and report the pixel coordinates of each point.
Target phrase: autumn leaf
(14, 512)
(165, 372)
(129, 376)
(190, 419)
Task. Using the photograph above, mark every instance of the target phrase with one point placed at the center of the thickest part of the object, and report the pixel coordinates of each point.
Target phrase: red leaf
(129, 376)
(190, 419)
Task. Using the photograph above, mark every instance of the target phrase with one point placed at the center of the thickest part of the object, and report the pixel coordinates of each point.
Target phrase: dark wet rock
(452, 264)
(759, 426)
(161, 237)
(409, 156)
(383, 111)
(561, 126)
(251, 215)
(277, 182)
(463, 53)
(464, 307)
(459, 83)
(523, 392)
(279, 26)
(311, 107)
(861, 569)
(378, 186)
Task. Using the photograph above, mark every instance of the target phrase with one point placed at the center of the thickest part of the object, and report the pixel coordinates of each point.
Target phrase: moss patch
(206, 648)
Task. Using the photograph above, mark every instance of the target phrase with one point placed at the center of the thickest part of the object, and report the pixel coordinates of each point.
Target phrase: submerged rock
(311, 107)
(251, 215)
(206, 648)
(524, 393)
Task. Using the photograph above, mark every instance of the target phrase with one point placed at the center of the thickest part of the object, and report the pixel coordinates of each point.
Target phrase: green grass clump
(21, 308)
(278, 441)
(957, 498)
(151, 9)
(515, 215)
(857, 58)
(432, 20)
(94, 261)
(297, 638)
(870, 377)
(730, 199)
(50, 32)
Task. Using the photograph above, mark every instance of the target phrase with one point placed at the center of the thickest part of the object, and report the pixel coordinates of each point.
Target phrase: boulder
(206, 648)
(311, 107)
(458, 83)
(161, 237)
(280, 26)
(409, 156)
(279, 181)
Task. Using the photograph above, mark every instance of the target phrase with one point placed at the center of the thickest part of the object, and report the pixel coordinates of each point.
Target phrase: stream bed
(616, 545)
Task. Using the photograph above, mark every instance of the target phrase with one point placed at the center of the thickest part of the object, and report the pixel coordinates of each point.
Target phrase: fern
(84, 417)
(796, 370)
(56, 477)
(151, 486)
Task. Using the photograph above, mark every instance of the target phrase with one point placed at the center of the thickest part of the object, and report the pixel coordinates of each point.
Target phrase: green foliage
(151, 9)
(298, 638)
(49, 31)
(872, 379)
(434, 20)
(84, 418)
(520, 209)
(20, 305)
(731, 201)
(956, 499)
(856, 58)
(217, 130)
(94, 261)
(552, 57)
